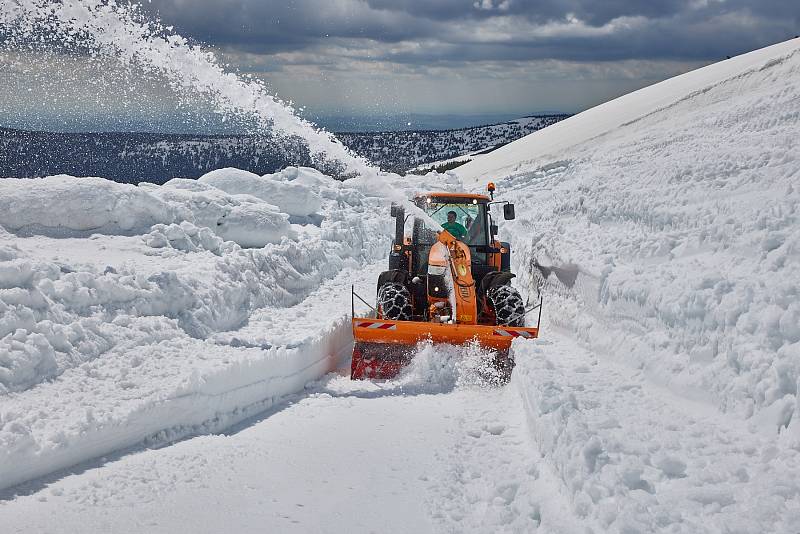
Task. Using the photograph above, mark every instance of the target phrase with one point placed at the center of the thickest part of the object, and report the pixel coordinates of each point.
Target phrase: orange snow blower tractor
(447, 285)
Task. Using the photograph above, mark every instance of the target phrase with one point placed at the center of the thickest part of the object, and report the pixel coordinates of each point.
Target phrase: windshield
(463, 220)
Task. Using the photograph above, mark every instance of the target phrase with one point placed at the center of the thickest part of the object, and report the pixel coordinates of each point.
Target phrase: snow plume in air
(107, 29)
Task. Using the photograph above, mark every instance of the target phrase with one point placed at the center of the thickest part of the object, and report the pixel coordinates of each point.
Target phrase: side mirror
(508, 212)
(395, 210)
(493, 228)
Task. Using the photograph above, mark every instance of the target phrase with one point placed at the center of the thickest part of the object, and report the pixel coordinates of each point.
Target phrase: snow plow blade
(383, 347)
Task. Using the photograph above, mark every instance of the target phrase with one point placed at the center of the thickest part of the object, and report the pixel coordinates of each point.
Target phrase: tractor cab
(467, 212)
(469, 215)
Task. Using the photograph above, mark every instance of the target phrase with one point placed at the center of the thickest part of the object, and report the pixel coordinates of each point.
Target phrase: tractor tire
(507, 304)
(394, 302)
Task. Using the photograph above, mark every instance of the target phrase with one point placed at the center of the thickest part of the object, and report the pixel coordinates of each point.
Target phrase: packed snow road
(434, 450)
(574, 443)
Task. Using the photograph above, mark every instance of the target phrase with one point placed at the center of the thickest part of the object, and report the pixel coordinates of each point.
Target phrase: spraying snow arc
(107, 29)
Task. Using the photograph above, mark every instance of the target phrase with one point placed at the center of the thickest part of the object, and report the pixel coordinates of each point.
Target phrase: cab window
(470, 216)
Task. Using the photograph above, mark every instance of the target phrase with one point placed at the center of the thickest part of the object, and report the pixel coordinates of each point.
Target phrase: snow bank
(164, 326)
(668, 240)
(244, 208)
(186, 237)
(639, 460)
(54, 316)
(253, 225)
(243, 219)
(290, 197)
(683, 231)
(63, 205)
(151, 392)
(303, 176)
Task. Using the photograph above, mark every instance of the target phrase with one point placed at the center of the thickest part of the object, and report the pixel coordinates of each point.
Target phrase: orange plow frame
(412, 332)
(382, 347)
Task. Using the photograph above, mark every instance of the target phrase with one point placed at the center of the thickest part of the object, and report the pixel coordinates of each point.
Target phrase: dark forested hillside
(403, 150)
(157, 158)
(135, 157)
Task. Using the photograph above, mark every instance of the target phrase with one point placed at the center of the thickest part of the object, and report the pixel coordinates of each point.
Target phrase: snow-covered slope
(684, 225)
(672, 219)
(594, 125)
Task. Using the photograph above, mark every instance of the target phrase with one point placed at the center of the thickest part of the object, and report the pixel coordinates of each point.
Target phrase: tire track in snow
(494, 479)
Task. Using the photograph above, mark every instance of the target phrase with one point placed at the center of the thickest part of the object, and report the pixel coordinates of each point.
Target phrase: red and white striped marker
(375, 325)
(513, 333)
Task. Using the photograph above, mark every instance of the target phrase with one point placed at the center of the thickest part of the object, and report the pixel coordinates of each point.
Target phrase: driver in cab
(456, 229)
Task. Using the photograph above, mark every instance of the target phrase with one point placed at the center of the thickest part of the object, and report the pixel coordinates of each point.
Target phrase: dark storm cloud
(472, 30)
(267, 26)
(688, 39)
(593, 12)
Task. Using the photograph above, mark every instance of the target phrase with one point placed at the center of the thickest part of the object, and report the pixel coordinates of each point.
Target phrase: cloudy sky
(472, 57)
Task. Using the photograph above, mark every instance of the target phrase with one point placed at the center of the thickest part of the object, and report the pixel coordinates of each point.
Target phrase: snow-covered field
(661, 397)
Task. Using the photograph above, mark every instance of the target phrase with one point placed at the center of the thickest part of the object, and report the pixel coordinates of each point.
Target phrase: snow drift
(55, 315)
(290, 197)
(677, 210)
(60, 205)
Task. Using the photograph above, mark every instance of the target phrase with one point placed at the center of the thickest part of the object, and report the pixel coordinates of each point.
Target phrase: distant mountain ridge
(403, 150)
(157, 158)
